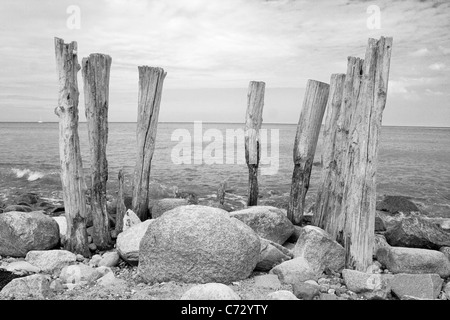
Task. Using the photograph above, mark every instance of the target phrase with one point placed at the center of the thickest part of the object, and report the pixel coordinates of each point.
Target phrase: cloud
(420, 53)
(437, 66)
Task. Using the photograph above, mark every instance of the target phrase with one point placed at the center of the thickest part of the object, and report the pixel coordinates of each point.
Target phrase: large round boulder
(21, 232)
(198, 244)
(268, 222)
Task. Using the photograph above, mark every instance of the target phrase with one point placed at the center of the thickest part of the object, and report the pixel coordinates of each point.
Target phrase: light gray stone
(306, 290)
(62, 224)
(295, 270)
(210, 291)
(76, 274)
(130, 219)
(372, 286)
(36, 286)
(109, 259)
(268, 281)
(110, 281)
(422, 286)
(271, 255)
(281, 295)
(128, 241)
(22, 267)
(51, 261)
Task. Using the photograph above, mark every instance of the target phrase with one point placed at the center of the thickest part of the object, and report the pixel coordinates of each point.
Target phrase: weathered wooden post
(150, 90)
(253, 121)
(69, 148)
(96, 70)
(327, 214)
(121, 208)
(358, 203)
(311, 116)
(221, 192)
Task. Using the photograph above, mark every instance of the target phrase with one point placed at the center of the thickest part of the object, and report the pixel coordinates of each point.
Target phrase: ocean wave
(31, 175)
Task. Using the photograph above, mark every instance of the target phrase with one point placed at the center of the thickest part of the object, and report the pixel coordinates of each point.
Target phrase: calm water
(413, 162)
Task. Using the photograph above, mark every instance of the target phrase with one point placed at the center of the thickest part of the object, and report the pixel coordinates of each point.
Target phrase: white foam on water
(32, 175)
(21, 173)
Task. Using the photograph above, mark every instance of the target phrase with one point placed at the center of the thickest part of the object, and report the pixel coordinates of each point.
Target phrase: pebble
(96, 258)
(332, 291)
(80, 258)
(92, 247)
(89, 239)
(323, 289)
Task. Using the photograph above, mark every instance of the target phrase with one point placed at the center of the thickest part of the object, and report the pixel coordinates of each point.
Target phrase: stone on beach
(271, 255)
(130, 219)
(268, 222)
(306, 290)
(62, 223)
(319, 249)
(413, 260)
(372, 286)
(198, 244)
(296, 270)
(422, 286)
(396, 204)
(446, 252)
(109, 259)
(269, 281)
(163, 205)
(379, 242)
(20, 267)
(36, 286)
(76, 274)
(127, 243)
(21, 232)
(110, 281)
(281, 295)
(210, 291)
(52, 261)
(17, 208)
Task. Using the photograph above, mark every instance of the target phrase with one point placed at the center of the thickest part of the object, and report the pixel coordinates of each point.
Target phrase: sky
(212, 49)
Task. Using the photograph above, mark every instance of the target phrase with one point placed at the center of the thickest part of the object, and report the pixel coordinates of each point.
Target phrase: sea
(412, 162)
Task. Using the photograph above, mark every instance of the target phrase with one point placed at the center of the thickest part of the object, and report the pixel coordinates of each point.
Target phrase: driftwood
(253, 121)
(72, 179)
(96, 70)
(308, 129)
(328, 213)
(359, 199)
(121, 209)
(150, 90)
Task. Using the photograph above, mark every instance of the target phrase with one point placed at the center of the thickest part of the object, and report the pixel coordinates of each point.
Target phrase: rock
(422, 286)
(22, 267)
(103, 270)
(79, 273)
(306, 291)
(130, 219)
(109, 280)
(412, 260)
(95, 260)
(127, 243)
(379, 242)
(415, 232)
(372, 286)
(51, 261)
(109, 259)
(446, 252)
(328, 296)
(36, 286)
(29, 198)
(92, 247)
(447, 290)
(80, 258)
(319, 249)
(281, 295)
(396, 204)
(268, 222)
(210, 291)
(271, 255)
(56, 286)
(290, 246)
(198, 244)
(295, 270)
(163, 205)
(268, 281)
(379, 224)
(17, 208)
(21, 232)
(295, 235)
(62, 223)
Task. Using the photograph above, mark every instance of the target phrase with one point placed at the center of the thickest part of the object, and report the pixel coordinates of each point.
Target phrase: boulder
(76, 274)
(210, 291)
(268, 222)
(110, 281)
(295, 270)
(109, 259)
(21, 232)
(379, 224)
(267, 281)
(305, 290)
(415, 261)
(396, 204)
(17, 208)
(371, 286)
(446, 252)
(163, 205)
(130, 219)
(271, 255)
(22, 267)
(319, 249)
(198, 244)
(416, 232)
(128, 241)
(379, 242)
(422, 286)
(95, 260)
(32, 287)
(51, 261)
(281, 295)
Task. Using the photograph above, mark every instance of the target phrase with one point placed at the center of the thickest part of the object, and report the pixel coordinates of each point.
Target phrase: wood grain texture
(121, 209)
(359, 199)
(96, 72)
(72, 179)
(253, 121)
(308, 129)
(150, 91)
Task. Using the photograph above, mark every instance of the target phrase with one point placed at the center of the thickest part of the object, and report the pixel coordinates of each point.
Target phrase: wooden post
(358, 203)
(121, 208)
(253, 121)
(221, 191)
(327, 214)
(69, 148)
(308, 129)
(95, 70)
(150, 90)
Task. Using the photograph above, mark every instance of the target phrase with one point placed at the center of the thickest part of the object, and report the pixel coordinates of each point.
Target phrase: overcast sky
(211, 49)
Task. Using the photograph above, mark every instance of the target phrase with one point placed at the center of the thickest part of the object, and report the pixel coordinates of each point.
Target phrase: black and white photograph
(236, 151)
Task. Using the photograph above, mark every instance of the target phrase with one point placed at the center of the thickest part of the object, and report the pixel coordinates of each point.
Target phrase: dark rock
(379, 225)
(415, 232)
(305, 290)
(396, 204)
(272, 254)
(17, 208)
(28, 198)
